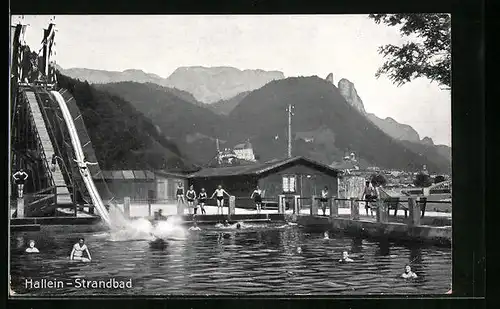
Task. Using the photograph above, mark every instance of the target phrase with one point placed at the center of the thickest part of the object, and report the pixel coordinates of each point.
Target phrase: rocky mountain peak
(350, 94)
(427, 141)
(329, 78)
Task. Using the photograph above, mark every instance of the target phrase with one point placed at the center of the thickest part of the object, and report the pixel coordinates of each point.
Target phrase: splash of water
(123, 229)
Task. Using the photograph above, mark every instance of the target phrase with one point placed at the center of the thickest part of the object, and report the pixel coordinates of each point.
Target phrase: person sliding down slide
(83, 166)
(77, 252)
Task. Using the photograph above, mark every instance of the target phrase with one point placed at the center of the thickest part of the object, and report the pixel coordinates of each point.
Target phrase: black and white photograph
(233, 155)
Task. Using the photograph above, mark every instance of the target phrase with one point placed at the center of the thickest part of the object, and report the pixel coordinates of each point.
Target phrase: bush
(422, 180)
(378, 180)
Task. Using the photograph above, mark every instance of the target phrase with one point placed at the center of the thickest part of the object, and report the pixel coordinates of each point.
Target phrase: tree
(422, 180)
(439, 179)
(426, 54)
(378, 180)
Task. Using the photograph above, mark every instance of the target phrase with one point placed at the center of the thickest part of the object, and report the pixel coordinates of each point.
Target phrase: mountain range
(194, 125)
(206, 85)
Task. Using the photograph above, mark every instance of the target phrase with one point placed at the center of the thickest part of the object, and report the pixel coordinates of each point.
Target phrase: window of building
(289, 182)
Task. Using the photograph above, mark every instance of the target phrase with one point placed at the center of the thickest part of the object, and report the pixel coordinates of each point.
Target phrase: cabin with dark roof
(291, 176)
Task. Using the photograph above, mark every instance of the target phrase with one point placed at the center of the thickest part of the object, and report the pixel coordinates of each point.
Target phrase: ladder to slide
(62, 193)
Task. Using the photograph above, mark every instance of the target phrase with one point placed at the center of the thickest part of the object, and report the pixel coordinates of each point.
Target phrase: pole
(289, 130)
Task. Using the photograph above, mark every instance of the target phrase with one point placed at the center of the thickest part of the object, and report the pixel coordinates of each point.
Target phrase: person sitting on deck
(32, 248)
(20, 178)
(345, 258)
(257, 197)
(78, 249)
(408, 274)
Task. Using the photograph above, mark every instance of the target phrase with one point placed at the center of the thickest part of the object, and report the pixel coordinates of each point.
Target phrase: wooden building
(291, 176)
(140, 186)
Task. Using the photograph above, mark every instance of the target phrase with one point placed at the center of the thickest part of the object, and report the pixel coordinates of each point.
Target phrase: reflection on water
(254, 260)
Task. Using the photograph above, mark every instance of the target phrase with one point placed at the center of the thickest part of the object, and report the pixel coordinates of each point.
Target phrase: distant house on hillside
(244, 152)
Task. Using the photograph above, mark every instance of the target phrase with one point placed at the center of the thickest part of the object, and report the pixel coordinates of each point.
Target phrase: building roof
(261, 168)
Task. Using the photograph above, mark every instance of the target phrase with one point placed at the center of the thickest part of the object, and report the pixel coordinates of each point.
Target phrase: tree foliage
(427, 53)
(422, 180)
(378, 180)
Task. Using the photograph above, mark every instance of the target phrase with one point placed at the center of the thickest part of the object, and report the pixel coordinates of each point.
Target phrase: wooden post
(232, 205)
(314, 206)
(334, 208)
(20, 207)
(414, 210)
(281, 204)
(382, 212)
(354, 208)
(296, 202)
(126, 207)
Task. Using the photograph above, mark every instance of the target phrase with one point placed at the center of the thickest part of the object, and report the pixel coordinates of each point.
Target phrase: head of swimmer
(202, 189)
(226, 222)
(257, 188)
(219, 187)
(191, 187)
(407, 269)
(31, 243)
(81, 241)
(238, 226)
(345, 255)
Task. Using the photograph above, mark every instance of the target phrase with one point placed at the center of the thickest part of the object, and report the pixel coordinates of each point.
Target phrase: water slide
(80, 157)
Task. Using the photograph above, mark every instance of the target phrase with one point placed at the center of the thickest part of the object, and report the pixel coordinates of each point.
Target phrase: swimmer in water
(226, 223)
(345, 258)
(78, 249)
(326, 235)
(219, 225)
(238, 226)
(408, 274)
(32, 248)
(195, 227)
(299, 250)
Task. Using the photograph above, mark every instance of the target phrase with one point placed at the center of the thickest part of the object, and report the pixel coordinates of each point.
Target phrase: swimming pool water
(257, 260)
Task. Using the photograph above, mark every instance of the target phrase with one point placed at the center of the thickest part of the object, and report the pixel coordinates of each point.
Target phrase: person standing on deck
(370, 196)
(180, 194)
(191, 196)
(219, 192)
(20, 178)
(202, 199)
(324, 199)
(257, 197)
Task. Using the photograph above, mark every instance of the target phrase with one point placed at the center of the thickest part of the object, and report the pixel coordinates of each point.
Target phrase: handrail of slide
(77, 147)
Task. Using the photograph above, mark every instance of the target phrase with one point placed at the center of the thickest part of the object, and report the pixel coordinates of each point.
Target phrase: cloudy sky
(297, 45)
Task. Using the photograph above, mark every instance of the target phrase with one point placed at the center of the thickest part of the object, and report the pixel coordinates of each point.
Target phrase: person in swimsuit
(78, 249)
(180, 194)
(20, 178)
(345, 258)
(202, 199)
(82, 165)
(32, 248)
(324, 200)
(370, 196)
(54, 161)
(219, 192)
(257, 197)
(195, 227)
(191, 196)
(408, 274)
